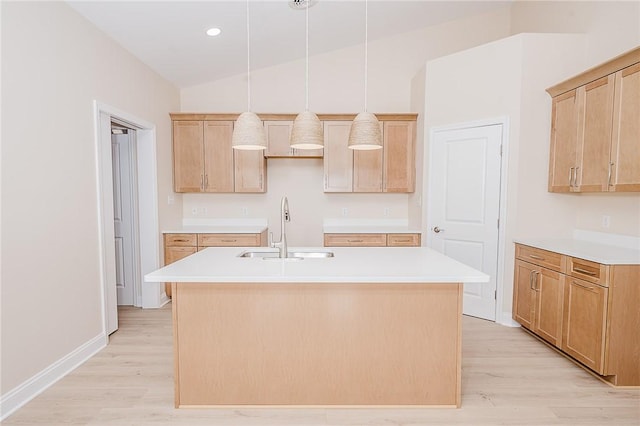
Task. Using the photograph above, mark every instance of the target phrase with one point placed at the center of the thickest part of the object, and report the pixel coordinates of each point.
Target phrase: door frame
(150, 295)
(501, 317)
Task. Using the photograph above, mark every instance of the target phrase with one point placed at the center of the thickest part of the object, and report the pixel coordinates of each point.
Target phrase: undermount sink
(291, 254)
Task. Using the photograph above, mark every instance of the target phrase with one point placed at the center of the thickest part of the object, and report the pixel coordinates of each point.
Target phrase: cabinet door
(367, 170)
(523, 293)
(249, 171)
(564, 133)
(188, 161)
(625, 147)
(338, 158)
(173, 254)
(218, 156)
(399, 156)
(584, 322)
(594, 135)
(278, 134)
(549, 295)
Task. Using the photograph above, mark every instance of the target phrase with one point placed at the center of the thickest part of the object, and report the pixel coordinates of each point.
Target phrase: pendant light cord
(248, 64)
(306, 75)
(366, 38)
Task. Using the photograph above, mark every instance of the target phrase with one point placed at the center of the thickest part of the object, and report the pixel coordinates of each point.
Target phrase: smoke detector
(301, 4)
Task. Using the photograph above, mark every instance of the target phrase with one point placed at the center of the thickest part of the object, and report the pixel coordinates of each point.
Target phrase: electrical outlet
(203, 210)
(245, 212)
(171, 199)
(194, 211)
(386, 211)
(345, 212)
(606, 221)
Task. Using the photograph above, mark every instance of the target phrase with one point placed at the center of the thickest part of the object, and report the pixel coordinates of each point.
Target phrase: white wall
(54, 65)
(336, 85)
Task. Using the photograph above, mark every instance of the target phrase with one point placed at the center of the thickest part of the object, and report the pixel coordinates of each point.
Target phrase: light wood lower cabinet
(586, 309)
(179, 246)
(371, 240)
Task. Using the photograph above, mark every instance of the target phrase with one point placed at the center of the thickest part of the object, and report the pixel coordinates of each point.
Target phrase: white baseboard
(20, 395)
(506, 320)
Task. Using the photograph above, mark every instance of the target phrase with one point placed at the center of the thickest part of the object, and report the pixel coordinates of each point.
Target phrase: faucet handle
(271, 240)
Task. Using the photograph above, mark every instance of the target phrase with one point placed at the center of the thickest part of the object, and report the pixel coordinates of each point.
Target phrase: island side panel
(317, 344)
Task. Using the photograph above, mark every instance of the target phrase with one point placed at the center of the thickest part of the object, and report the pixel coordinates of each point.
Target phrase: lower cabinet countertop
(587, 250)
(220, 229)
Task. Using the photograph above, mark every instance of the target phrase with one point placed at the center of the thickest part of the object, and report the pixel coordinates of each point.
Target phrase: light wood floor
(508, 378)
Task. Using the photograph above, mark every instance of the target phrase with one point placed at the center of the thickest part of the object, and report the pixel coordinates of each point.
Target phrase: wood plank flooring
(508, 378)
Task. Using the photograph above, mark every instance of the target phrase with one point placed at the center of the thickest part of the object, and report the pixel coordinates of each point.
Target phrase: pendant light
(248, 131)
(365, 129)
(307, 129)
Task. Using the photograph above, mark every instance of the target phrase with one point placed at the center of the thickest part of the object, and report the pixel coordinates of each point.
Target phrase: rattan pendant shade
(248, 131)
(365, 131)
(307, 129)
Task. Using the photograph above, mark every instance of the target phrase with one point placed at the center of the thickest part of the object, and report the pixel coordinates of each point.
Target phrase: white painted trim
(152, 295)
(507, 321)
(25, 392)
(504, 122)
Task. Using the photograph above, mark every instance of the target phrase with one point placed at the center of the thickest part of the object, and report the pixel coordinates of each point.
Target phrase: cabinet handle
(180, 241)
(575, 178)
(584, 271)
(533, 256)
(201, 182)
(584, 286)
(206, 181)
(571, 177)
(229, 241)
(610, 172)
(403, 241)
(355, 241)
(531, 280)
(536, 287)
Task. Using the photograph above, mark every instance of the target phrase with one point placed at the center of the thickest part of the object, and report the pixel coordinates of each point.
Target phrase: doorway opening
(145, 215)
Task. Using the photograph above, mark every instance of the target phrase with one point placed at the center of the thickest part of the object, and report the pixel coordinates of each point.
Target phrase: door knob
(437, 230)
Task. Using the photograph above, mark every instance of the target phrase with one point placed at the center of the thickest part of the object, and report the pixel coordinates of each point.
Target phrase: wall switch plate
(606, 221)
(171, 199)
(385, 212)
(245, 212)
(194, 211)
(345, 212)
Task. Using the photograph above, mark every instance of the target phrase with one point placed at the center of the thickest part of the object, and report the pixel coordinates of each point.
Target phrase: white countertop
(369, 229)
(350, 265)
(587, 250)
(220, 229)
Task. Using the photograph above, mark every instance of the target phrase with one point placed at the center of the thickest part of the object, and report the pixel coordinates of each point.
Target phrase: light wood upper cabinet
(188, 156)
(595, 129)
(218, 156)
(338, 158)
(278, 133)
(399, 156)
(391, 169)
(204, 160)
(625, 146)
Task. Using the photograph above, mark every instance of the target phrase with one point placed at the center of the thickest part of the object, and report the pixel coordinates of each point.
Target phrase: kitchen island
(368, 326)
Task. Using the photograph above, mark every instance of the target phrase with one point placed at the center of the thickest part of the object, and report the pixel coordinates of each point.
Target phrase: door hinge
(498, 223)
(500, 150)
(495, 294)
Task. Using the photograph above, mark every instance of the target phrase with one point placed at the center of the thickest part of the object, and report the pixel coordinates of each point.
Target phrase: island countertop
(349, 264)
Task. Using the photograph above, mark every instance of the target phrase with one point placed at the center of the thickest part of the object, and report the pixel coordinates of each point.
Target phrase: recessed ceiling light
(213, 32)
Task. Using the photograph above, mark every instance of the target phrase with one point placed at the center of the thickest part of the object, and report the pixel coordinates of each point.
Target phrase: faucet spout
(284, 217)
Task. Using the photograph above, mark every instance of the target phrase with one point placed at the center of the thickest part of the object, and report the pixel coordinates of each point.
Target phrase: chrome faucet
(284, 217)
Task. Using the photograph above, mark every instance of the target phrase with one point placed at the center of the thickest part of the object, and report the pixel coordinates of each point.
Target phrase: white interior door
(464, 206)
(122, 146)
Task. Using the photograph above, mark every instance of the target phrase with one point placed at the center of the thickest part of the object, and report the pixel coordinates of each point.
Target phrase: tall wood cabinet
(586, 309)
(204, 161)
(278, 133)
(595, 129)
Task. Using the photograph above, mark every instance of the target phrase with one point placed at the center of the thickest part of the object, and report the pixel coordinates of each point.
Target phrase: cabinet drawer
(403, 240)
(228, 240)
(588, 271)
(540, 257)
(355, 240)
(180, 240)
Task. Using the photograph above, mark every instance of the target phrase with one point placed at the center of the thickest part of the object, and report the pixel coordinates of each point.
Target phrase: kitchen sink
(292, 254)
